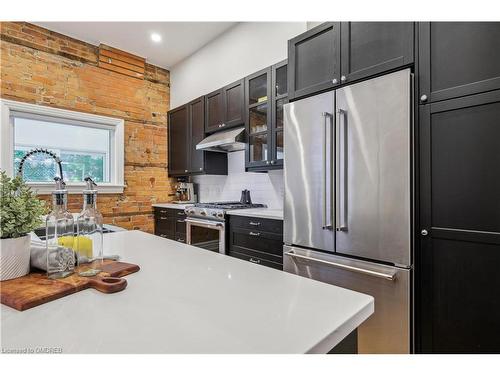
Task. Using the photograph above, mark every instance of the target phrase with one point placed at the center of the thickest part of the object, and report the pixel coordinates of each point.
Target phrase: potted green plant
(20, 213)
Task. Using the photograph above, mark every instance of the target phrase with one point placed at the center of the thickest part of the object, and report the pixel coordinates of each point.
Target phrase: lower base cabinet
(170, 223)
(256, 240)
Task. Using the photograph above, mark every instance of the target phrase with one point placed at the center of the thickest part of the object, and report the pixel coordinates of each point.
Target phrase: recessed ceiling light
(156, 37)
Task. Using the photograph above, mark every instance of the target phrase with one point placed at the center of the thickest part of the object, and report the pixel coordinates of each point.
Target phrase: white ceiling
(179, 39)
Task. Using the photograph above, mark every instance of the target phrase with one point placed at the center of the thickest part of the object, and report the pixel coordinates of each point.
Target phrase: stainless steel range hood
(225, 141)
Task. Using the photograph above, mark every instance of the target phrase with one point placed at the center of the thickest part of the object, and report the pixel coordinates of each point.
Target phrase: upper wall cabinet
(197, 124)
(266, 93)
(370, 48)
(333, 53)
(314, 60)
(458, 59)
(258, 118)
(178, 135)
(214, 107)
(225, 107)
(279, 95)
(186, 128)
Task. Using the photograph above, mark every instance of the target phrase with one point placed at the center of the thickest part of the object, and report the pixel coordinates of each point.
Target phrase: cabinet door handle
(163, 211)
(341, 192)
(257, 261)
(273, 161)
(181, 213)
(185, 170)
(181, 221)
(327, 174)
(254, 223)
(254, 234)
(163, 218)
(180, 240)
(163, 235)
(343, 78)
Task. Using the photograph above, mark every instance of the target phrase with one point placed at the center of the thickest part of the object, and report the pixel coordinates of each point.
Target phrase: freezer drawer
(388, 329)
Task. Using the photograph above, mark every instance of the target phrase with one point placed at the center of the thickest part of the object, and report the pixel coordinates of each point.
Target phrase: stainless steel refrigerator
(348, 199)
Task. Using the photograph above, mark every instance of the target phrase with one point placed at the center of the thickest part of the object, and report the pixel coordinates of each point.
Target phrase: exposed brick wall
(43, 67)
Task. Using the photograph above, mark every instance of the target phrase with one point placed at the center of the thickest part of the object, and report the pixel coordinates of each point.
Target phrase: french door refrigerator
(348, 199)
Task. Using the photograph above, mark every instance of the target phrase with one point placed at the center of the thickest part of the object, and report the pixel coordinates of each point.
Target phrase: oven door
(207, 234)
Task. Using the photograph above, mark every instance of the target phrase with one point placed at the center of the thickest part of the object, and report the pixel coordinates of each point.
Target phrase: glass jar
(59, 226)
(88, 242)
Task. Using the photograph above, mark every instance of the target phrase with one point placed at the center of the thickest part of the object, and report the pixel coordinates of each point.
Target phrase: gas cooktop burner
(228, 205)
(216, 210)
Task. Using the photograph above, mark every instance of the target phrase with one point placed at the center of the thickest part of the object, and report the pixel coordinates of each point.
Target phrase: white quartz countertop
(189, 300)
(177, 206)
(266, 213)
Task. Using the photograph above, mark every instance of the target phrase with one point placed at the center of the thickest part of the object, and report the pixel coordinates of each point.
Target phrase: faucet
(40, 151)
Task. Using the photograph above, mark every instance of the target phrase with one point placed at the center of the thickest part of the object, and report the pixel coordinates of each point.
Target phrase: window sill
(75, 188)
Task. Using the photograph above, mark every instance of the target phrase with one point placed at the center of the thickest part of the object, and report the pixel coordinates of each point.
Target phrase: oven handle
(206, 223)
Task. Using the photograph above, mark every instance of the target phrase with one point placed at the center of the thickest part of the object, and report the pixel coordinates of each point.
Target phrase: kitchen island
(189, 300)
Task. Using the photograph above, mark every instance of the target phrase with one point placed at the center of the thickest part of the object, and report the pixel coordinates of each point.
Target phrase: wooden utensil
(35, 288)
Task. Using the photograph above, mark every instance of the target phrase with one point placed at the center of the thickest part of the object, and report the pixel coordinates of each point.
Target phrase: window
(88, 145)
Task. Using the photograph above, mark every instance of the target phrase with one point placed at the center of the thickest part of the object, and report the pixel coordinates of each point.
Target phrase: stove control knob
(220, 215)
(214, 213)
(203, 213)
(190, 212)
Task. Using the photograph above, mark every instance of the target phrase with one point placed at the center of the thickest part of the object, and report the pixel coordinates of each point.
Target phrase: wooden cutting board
(35, 288)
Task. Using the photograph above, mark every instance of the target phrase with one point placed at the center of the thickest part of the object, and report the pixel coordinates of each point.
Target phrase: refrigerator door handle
(341, 172)
(327, 226)
(387, 276)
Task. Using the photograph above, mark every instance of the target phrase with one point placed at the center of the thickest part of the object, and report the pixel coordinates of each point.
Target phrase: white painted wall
(240, 51)
(265, 188)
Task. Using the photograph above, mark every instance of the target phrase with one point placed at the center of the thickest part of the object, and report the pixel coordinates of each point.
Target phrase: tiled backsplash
(266, 188)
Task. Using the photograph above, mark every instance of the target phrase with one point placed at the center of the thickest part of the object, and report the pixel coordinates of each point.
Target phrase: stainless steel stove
(206, 224)
(216, 210)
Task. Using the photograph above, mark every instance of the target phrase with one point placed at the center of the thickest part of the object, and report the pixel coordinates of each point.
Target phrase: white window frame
(116, 184)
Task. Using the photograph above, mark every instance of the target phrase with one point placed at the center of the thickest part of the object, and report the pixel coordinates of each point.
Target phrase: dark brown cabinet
(370, 48)
(214, 111)
(225, 107)
(279, 87)
(457, 276)
(266, 93)
(314, 60)
(170, 223)
(458, 59)
(234, 108)
(197, 126)
(256, 240)
(258, 118)
(186, 129)
(178, 135)
(335, 53)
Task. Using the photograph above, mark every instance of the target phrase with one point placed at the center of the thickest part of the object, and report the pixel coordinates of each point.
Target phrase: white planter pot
(14, 257)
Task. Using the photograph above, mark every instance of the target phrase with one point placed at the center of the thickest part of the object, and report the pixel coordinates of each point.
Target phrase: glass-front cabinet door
(258, 118)
(280, 98)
